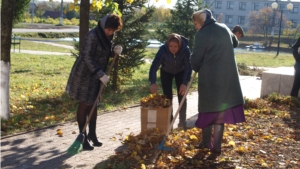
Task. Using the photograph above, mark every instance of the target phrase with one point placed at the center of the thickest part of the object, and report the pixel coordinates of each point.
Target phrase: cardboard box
(155, 118)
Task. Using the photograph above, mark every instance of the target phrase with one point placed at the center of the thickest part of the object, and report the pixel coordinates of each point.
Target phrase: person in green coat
(220, 94)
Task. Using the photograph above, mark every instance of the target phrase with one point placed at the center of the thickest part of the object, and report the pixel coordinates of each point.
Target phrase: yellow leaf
(99, 5)
(72, 6)
(193, 137)
(126, 138)
(264, 165)
(76, 8)
(143, 166)
(232, 143)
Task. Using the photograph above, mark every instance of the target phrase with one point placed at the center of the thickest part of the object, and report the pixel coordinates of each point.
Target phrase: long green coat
(213, 58)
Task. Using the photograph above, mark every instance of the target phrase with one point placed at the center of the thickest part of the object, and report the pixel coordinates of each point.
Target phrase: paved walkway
(43, 149)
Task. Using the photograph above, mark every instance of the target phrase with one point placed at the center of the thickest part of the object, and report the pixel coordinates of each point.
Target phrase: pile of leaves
(270, 138)
(156, 100)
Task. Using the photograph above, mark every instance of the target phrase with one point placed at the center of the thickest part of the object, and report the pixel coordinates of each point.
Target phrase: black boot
(92, 134)
(206, 138)
(218, 135)
(85, 145)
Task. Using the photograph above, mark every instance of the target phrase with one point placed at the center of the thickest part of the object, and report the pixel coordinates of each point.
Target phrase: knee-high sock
(218, 135)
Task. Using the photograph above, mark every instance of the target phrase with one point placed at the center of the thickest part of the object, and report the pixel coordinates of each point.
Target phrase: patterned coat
(213, 58)
(84, 84)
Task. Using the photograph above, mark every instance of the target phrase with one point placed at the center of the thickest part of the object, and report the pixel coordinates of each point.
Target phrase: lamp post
(274, 7)
(61, 12)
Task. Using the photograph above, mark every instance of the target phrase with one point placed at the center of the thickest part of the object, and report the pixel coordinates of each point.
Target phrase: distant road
(20, 30)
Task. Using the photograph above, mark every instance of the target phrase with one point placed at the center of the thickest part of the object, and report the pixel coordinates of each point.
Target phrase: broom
(161, 146)
(76, 147)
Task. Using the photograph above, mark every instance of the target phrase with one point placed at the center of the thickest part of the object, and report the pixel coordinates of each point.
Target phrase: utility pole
(61, 12)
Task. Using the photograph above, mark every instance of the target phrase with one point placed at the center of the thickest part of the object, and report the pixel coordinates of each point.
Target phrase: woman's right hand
(153, 88)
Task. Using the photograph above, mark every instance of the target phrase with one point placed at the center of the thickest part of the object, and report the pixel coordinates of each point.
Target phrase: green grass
(265, 59)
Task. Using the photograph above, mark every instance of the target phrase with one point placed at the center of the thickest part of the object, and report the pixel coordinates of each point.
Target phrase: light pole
(61, 12)
(274, 7)
(32, 11)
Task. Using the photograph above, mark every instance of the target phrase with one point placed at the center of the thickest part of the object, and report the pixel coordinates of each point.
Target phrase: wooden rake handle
(99, 94)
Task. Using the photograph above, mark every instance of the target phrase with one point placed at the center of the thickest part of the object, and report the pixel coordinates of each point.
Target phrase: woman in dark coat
(220, 95)
(89, 71)
(296, 54)
(174, 59)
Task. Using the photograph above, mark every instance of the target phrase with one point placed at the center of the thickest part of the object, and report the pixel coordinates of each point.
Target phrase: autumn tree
(263, 20)
(161, 14)
(180, 21)
(292, 31)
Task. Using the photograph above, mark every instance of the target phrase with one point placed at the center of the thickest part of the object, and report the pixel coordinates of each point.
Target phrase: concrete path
(44, 149)
(20, 30)
(40, 52)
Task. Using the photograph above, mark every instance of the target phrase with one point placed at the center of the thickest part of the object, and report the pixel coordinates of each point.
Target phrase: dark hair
(238, 28)
(114, 21)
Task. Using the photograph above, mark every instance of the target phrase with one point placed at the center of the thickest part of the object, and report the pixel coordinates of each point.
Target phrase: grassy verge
(265, 59)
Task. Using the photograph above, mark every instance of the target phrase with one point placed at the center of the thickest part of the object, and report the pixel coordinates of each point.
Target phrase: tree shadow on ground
(28, 151)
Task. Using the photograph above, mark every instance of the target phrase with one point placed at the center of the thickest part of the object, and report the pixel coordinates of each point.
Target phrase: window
(242, 6)
(282, 6)
(218, 5)
(241, 20)
(255, 6)
(267, 5)
(295, 9)
(229, 18)
(206, 2)
(294, 23)
(230, 5)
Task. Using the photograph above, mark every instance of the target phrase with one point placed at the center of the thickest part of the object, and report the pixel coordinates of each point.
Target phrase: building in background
(235, 12)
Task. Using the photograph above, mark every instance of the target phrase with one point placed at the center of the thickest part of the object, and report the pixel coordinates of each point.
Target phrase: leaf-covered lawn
(269, 139)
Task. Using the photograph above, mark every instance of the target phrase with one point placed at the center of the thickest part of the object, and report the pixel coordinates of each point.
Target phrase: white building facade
(235, 12)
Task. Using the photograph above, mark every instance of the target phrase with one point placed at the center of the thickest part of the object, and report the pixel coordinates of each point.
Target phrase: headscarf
(176, 36)
(101, 26)
(202, 15)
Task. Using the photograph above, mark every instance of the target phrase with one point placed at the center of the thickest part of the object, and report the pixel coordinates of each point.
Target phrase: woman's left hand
(182, 89)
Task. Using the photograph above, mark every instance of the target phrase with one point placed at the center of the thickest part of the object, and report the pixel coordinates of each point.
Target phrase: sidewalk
(44, 149)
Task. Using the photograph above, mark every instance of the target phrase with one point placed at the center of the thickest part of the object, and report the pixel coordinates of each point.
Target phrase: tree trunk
(84, 21)
(7, 13)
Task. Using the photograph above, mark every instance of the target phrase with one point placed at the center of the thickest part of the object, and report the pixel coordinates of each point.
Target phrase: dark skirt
(230, 116)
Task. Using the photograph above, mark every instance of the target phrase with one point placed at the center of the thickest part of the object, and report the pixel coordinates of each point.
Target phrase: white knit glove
(118, 49)
(104, 79)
